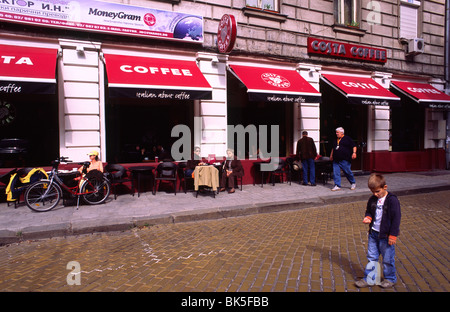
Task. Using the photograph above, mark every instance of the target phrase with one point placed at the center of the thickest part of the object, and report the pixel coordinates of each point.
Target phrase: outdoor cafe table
(137, 172)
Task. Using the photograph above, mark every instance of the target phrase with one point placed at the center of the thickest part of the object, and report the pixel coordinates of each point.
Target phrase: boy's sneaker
(361, 283)
(386, 284)
(353, 186)
(335, 188)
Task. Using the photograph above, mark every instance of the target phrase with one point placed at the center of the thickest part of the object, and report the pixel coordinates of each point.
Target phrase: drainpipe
(447, 78)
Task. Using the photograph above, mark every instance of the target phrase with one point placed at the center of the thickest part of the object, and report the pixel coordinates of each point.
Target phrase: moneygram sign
(104, 17)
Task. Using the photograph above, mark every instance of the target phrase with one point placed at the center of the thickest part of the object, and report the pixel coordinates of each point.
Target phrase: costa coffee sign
(346, 50)
(226, 34)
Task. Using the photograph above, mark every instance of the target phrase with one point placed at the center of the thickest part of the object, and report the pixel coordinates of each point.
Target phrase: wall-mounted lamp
(214, 59)
(79, 49)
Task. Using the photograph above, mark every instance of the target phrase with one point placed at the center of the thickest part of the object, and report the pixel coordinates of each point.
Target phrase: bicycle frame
(93, 190)
(74, 191)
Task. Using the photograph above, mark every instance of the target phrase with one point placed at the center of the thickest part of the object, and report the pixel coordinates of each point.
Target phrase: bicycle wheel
(42, 196)
(95, 191)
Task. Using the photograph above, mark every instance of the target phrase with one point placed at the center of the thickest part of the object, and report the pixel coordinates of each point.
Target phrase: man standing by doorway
(306, 152)
(343, 152)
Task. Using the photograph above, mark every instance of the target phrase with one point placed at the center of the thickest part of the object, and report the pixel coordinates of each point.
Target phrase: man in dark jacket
(343, 152)
(307, 152)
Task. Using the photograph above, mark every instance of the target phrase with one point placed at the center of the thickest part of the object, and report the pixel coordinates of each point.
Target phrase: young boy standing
(383, 216)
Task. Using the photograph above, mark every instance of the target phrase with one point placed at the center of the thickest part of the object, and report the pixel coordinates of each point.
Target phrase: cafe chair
(278, 170)
(166, 171)
(324, 169)
(13, 152)
(182, 176)
(238, 180)
(117, 175)
(291, 171)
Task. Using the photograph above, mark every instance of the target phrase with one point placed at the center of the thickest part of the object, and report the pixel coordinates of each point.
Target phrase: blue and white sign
(98, 16)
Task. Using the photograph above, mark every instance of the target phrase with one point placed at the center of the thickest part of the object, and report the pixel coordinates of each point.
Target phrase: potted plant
(353, 24)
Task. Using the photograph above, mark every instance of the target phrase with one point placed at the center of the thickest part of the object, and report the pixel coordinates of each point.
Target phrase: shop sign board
(346, 50)
(226, 34)
(155, 78)
(423, 93)
(275, 85)
(361, 90)
(104, 17)
(27, 70)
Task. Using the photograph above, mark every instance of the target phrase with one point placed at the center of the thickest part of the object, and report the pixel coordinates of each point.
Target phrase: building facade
(125, 74)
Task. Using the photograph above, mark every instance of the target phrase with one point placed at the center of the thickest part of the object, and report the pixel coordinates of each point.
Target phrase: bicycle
(45, 194)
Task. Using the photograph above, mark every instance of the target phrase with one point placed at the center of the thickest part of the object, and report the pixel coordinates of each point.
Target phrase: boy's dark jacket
(390, 221)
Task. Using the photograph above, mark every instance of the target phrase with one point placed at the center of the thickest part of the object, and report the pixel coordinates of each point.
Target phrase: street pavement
(165, 207)
(321, 248)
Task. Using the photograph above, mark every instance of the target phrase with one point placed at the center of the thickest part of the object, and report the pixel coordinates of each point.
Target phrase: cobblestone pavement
(306, 250)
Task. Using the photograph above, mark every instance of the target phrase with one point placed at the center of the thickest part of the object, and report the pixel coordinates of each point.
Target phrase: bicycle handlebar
(61, 159)
(64, 159)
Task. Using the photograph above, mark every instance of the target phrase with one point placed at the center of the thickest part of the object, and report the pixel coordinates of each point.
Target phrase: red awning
(155, 78)
(275, 85)
(360, 90)
(422, 93)
(27, 70)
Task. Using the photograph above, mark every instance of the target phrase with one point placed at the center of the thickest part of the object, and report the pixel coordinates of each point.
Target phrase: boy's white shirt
(378, 213)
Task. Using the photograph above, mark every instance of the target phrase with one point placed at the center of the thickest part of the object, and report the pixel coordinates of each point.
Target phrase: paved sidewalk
(130, 211)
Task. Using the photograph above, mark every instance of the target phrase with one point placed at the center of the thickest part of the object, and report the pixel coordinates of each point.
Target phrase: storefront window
(29, 130)
(138, 130)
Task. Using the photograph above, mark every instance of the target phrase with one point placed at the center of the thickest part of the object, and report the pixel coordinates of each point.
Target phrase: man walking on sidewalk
(307, 152)
(343, 152)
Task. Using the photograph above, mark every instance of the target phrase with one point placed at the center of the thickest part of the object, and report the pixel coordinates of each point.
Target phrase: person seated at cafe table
(94, 163)
(196, 160)
(231, 168)
(163, 154)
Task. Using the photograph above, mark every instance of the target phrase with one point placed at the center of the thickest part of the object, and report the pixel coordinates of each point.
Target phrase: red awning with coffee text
(155, 78)
(27, 70)
(361, 90)
(275, 84)
(422, 93)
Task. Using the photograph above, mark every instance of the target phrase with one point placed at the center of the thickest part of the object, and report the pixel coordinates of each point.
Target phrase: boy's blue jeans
(345, 165)
(377, 246)
(309, 167)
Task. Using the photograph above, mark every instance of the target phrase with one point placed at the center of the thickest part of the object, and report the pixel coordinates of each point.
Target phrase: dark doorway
(242, 111)
(335, 111)
(407, 126)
